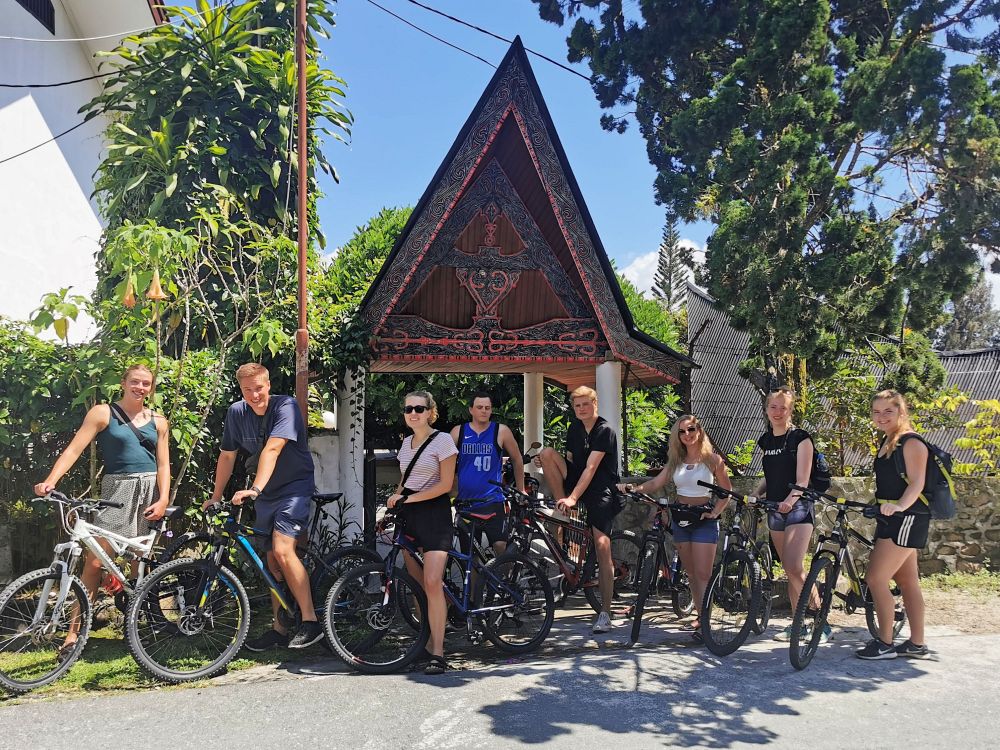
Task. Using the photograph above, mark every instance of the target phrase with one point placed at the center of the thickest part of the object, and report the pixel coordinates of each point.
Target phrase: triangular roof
(500, 267)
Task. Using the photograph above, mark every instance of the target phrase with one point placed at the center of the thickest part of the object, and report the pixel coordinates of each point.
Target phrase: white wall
(49, 225)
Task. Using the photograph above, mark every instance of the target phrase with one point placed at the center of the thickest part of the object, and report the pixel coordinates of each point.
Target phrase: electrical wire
(105, 36)
(432, 36)
(43, 143)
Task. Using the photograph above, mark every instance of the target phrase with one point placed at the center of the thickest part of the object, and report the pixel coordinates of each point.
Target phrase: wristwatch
(254, 488)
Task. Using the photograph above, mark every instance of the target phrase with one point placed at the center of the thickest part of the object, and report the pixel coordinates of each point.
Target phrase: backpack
(820, 477)
(939, 490)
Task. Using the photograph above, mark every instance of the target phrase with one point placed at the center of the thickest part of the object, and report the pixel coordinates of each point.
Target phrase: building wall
(49, 224)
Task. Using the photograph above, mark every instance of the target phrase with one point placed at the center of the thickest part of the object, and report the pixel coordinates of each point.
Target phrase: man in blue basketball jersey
(481, 443)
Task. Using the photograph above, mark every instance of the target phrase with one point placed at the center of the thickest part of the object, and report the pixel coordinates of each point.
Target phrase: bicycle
(530, 518)
(653, 563)
(739, 594)
(833, 555)
(191, 616)
(40, 610)
(374, 613)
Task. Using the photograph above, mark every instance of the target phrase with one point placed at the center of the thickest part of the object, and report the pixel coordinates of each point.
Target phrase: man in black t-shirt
(590, 469)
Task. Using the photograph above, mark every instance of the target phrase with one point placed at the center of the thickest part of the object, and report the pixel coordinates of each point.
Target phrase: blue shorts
(706, 532)
(286, 515)
(801, 512)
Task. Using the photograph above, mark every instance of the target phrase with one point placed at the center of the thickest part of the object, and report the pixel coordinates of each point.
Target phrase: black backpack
(939, 490)
(820, 477)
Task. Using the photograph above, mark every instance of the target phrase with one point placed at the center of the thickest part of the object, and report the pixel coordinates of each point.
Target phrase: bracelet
(255, 488)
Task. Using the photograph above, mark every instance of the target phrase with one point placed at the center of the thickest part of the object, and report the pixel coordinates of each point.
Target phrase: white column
(351, 433)
(534, 401)
(609, 398)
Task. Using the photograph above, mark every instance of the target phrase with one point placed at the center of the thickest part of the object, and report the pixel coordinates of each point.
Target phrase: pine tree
(974, 322)
(672, 268)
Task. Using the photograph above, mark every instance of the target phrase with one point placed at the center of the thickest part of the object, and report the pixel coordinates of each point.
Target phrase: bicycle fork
(62, 568)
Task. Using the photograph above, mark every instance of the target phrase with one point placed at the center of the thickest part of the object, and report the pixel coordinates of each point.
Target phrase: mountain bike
(191, 616)
(374, 613)
(833, 555)
(43, 609)
(739, 594)
(653, 563)
(531, 519)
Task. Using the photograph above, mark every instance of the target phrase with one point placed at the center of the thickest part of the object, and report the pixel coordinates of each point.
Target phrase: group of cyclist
(269, 431)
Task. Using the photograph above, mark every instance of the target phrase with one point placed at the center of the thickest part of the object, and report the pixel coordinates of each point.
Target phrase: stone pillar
(609, 397)
(351, 434)
(534, 402)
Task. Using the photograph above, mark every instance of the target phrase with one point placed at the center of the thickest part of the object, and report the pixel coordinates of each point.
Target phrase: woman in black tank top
(901, 528)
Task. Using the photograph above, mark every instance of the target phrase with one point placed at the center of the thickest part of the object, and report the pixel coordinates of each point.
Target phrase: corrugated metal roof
(729, 406)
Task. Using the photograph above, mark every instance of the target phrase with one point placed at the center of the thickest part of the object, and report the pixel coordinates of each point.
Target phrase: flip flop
(436, 665)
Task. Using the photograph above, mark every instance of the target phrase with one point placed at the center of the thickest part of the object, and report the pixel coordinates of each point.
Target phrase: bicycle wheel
(365, 622)
(625, 551)
(681, 598)
(765, 565)
(648, 571)
(198, 545)
(32, 629)
(187, 621)
(807, 624)
(327, 572)
(899, 614)
(732, 596)
(520, 600)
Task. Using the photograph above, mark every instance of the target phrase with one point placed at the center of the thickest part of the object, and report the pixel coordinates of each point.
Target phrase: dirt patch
(965, 611)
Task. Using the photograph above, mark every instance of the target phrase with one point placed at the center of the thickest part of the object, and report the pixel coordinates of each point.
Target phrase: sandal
(65, 651)
(436, 665)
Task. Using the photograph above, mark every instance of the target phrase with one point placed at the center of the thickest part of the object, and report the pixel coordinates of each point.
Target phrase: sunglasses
(688, 430)
(417, 409)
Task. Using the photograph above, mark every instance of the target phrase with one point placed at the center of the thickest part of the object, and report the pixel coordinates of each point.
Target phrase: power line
(432, 36)
(105, 36)
(43, 143)
(497, 36)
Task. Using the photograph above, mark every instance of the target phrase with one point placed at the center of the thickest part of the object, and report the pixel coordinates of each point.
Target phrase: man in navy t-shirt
(269, 429)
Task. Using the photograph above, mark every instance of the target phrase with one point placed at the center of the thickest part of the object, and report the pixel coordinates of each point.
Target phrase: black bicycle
(833, 555)
(739, 594)
(653, 565)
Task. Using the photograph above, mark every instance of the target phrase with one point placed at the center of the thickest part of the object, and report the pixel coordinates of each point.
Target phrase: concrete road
(590, 694)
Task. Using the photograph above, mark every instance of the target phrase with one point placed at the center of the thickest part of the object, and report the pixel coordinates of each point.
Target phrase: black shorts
(601, 513)
(495, 529)
(904, 529)
(429, 525)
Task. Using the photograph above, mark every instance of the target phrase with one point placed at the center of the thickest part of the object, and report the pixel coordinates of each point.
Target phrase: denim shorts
(286, 515)
(801, 512)
(705, 532)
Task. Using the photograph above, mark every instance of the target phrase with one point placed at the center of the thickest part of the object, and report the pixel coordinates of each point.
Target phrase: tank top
(888, 484)
(122, 452)
(479, 463)
(686, 480)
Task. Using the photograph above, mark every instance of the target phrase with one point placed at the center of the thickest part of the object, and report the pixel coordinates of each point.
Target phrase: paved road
(586, 696)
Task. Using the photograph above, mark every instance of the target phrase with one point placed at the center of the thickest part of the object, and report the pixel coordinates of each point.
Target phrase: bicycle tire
(899, 614)
(681, 596)
(366, 627)
(626, 550)
(332, 567)
(802, 646)
(647, 575)
(516, 583)
(28, 666)
(765, 564)
(169, 638)
(196, 545)
(734, 590)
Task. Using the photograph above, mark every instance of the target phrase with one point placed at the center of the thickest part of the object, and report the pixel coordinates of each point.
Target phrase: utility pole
(302, 333)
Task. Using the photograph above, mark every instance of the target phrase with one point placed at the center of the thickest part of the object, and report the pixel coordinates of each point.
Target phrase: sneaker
(875, 649)
(269, 639)
(827, 634)
(603, 623)
(913, 651)
(309, 633)
(784, 635)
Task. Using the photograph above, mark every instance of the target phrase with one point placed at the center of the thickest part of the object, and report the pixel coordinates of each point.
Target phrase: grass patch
(982, 583)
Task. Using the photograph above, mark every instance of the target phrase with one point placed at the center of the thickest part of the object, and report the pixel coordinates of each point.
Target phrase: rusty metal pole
(302, 334)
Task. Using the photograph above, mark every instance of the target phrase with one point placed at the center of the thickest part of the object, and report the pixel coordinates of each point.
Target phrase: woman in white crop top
(690, 458)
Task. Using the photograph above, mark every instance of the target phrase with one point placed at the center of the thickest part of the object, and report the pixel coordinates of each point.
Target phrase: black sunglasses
(688, 430)
(417, 409)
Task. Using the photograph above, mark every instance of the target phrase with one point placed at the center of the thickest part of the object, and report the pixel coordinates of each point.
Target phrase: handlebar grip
(870, 511)
(110, 504)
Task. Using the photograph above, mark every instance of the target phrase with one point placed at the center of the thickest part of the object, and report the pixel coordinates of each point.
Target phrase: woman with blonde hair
(690, 458)
(427, 462)
(901, 528)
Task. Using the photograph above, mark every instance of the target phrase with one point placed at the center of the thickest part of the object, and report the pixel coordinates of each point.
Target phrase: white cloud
(642, 270)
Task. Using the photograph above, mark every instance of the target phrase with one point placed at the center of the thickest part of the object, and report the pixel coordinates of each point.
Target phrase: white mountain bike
(43, 609)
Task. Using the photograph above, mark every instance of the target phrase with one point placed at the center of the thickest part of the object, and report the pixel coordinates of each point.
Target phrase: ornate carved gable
(500, 262)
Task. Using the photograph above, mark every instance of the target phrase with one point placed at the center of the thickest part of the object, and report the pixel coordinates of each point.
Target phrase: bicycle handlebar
(867, 509)
(663, 502)
(740, 498)
(58, 497)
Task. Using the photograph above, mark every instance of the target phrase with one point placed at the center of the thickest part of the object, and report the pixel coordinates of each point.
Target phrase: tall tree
(974, 322)
(673, 268)
(849, 164)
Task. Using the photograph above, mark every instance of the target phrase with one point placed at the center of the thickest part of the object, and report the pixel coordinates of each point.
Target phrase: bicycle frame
(840, 535)
(576, 573)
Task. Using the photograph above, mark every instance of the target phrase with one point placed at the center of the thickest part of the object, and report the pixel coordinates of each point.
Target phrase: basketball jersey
(479, 463)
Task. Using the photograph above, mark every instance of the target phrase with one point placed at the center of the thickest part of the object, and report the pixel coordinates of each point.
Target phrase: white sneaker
(603, 623)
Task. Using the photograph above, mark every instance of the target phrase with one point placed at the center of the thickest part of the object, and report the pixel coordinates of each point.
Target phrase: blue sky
(410, 95)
